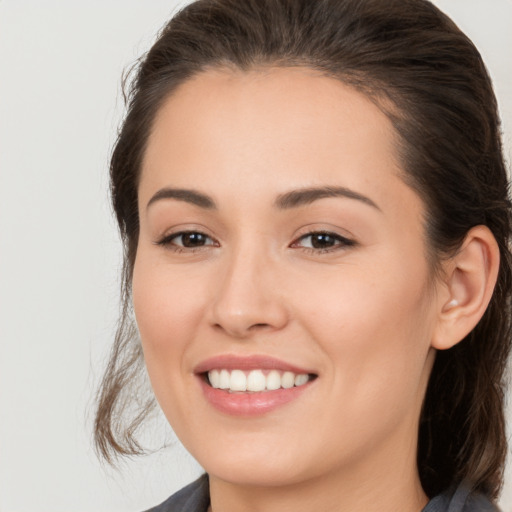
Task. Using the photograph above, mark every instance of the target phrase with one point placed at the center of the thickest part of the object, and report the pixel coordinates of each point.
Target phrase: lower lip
(250, 404)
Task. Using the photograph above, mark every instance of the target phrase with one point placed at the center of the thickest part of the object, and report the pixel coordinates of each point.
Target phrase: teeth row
(255, 380)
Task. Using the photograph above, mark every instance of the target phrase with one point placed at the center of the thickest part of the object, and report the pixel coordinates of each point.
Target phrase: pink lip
(248, 403)
(235, 362)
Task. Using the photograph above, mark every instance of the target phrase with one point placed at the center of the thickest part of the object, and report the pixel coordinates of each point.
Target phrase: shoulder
(460, 499)
(194, 497)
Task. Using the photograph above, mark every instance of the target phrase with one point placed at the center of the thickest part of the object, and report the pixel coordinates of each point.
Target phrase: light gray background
(60, 103)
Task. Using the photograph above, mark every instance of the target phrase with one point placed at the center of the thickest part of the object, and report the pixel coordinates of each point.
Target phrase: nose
(248, 298)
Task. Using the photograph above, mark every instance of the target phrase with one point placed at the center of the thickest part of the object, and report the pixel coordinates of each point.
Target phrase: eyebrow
(292, 199)
(183, 194)
(301, 197)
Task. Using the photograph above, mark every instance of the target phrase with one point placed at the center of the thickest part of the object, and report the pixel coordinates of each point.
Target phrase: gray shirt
(196, 498)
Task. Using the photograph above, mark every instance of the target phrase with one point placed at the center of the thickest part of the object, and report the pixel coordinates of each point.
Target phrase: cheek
(168, 308)
(351, 303)
(376, 328)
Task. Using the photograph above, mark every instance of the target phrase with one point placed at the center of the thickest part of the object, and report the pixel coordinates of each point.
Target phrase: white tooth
(273, 380)
(288, 380)
(238, 381)
(224, 379)
(256, 381)
(301, 379)
(214, 378)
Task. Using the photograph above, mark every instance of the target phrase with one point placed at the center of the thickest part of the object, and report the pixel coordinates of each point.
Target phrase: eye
(186, 240)
(322, 241)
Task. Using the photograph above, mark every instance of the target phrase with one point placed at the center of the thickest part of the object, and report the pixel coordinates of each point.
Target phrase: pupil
(193, 239)
(322, 241)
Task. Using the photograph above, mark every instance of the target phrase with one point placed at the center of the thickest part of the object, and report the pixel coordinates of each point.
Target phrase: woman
(313, 202)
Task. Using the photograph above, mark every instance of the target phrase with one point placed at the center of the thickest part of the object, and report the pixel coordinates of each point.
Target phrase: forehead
(286, 103)
(269, 129)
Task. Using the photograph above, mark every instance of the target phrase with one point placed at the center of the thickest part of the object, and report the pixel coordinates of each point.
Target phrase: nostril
(258, 325)
(241, 331)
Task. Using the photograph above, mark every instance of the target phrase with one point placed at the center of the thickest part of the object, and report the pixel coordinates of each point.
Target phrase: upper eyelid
(177, 231)
(330, 232)
(338, 238)
(323, 232)
(169, 237)
(324, 227)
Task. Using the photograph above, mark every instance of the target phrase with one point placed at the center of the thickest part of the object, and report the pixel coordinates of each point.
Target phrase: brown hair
(403, 53)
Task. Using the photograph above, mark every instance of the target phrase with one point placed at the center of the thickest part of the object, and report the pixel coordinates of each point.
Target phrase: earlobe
(470, 278)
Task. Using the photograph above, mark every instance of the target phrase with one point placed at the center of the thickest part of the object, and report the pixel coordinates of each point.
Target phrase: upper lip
(254, 362)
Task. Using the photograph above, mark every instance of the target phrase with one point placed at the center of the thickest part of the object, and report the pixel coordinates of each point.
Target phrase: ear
(467, 287)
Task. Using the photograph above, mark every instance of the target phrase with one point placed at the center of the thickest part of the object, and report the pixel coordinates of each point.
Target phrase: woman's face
(279, 248)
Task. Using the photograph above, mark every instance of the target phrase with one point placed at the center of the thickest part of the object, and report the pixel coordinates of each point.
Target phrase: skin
(364, 316)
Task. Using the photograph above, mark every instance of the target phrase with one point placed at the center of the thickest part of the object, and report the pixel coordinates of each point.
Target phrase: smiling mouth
(254, 381)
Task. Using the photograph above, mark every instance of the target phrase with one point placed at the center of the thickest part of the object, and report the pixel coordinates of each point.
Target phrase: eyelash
(168, 242)
(340, 242)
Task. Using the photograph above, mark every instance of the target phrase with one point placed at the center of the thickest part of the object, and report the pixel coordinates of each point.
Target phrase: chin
(261, 464)
(256, 473)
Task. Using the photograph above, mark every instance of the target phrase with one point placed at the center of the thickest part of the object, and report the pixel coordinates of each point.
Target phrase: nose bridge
(247, 298)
